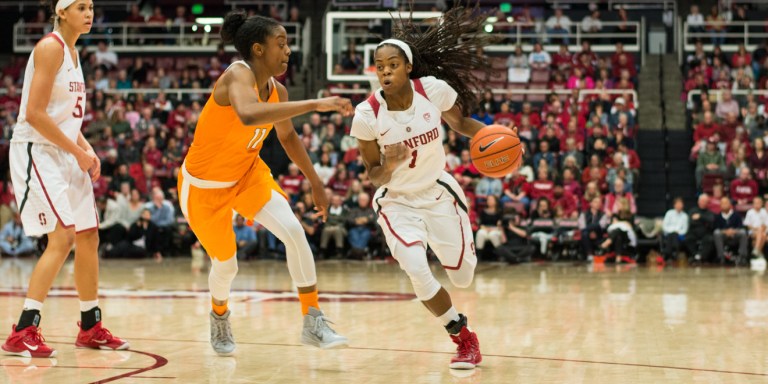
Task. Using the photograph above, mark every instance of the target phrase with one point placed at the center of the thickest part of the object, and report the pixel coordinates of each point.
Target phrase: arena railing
(145, 37)
(603, 42)
(750, 38)
(503, 91)
(718, 94)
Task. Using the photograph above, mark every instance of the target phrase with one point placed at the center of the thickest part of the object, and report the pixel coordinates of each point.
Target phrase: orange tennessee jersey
(224, 149)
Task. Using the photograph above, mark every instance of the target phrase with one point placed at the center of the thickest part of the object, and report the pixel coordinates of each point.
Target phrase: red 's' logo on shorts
(41, 217)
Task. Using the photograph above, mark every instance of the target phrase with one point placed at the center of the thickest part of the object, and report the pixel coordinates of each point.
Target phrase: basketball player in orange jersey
(50, 165)
(223, 173)
(425, 77)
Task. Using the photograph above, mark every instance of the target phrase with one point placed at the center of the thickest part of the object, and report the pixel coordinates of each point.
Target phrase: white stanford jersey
(418, 127)
(67, 104)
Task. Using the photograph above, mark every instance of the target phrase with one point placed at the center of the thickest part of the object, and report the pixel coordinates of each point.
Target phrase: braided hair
(448, 49)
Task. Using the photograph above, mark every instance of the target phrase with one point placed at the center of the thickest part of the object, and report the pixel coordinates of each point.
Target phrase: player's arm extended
(48, 58)
(467, 126)
(241, 95)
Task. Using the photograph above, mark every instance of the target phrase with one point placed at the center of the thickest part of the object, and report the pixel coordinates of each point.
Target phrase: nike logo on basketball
(484, 147)
(31, 348)
(385, 132)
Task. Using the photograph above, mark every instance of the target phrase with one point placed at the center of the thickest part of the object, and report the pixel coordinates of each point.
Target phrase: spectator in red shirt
(586, 50)
(533, 118)
(135, 16)
(178, 117)
(505, 116)
(157, 16)
(567, 202)
(11, 100)
(152, 155)
(517, 189)
(744, 188)
(542, 186)
(562, 60)
(291, 183)
(741, 58)
(147, 180)
(620, 53)
(706, 129)
(339, 183)
(466, 172)
(624, 65)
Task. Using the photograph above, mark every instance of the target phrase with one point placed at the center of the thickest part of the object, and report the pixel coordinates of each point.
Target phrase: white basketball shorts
(50, 188)
(436, 216)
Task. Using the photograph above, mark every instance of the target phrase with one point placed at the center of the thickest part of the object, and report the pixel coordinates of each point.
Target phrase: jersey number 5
(78, 112)
(258, 136)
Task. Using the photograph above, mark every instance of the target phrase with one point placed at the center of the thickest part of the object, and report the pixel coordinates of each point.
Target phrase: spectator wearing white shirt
(675, 226)
(756, 221)
(104, 57)
(695, 20)
(539, 58)
(518, 59)
(559, 24)
(591, 23)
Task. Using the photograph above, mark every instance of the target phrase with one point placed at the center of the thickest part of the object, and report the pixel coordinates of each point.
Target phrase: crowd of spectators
(728, 124)
(574, 194)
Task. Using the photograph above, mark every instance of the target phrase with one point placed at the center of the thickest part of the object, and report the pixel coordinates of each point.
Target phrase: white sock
(450, 315)
(30, 304)
(86, 306)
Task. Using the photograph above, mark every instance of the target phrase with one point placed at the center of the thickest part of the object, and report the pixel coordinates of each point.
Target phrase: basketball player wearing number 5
(52, 169)
(399, 135)
(223, 172)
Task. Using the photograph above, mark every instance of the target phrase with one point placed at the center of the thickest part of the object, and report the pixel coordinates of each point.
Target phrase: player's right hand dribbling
(335, 104)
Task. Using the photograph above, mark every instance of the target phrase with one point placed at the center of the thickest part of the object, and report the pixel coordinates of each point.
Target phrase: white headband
(402, 45)
(61, 4)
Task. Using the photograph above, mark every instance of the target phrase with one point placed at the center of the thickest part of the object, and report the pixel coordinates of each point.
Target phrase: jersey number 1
(258, 137)
(413, 159)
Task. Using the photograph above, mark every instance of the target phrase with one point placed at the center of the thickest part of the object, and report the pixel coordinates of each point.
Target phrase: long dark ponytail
(448, 49)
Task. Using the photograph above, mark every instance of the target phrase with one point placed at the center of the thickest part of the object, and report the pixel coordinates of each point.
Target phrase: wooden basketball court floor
(537, 323)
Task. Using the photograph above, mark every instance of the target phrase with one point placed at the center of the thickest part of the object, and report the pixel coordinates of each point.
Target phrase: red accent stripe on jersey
(55, 36)
(45, 191)
(411, 244)
(375, 105)
(463, 243)
(419, 88)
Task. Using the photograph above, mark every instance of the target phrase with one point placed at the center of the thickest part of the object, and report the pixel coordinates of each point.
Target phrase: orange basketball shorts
(208, 206)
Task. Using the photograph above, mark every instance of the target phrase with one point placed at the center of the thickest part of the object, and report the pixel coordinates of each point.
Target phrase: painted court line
(516, 357)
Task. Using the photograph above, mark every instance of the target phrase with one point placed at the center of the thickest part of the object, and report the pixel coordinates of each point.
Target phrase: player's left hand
(321, 202)
(95, 170)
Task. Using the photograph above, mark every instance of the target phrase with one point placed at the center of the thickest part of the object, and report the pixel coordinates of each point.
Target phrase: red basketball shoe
(467, 351)
(28, 342)
(99, 338)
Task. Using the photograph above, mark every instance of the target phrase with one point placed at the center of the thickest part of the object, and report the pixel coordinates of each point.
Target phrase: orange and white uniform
(223, 173)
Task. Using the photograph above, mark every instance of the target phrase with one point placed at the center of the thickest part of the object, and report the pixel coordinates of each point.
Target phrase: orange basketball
(496, 151)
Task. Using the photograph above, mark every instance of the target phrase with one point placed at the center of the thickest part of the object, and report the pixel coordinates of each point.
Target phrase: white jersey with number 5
(419, 128)
(67, 104)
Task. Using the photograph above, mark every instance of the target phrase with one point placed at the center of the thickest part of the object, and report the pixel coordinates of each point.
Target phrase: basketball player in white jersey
(398, 130)
(52, 167)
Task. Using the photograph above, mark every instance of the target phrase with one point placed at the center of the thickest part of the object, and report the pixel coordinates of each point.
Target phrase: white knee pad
(413, 260)
(462, 277)
(221, 276)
